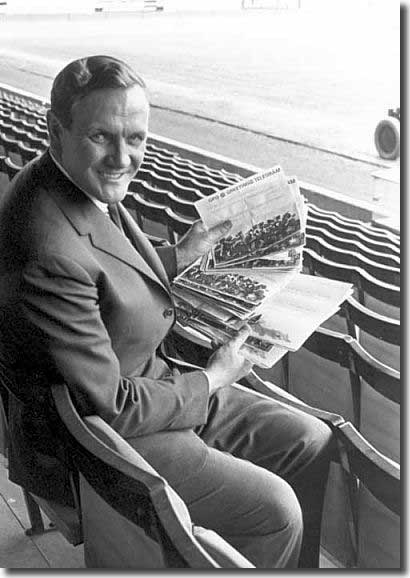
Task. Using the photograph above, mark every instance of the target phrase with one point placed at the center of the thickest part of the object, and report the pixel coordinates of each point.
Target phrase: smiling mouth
(111, 176)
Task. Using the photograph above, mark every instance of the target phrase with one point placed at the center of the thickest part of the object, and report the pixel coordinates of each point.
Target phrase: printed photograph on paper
(266, 212)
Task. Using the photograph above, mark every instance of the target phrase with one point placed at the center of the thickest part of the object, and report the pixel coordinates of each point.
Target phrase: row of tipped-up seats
(161, 199)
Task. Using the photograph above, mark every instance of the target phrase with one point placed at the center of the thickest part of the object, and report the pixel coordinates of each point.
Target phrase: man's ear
(55, 130)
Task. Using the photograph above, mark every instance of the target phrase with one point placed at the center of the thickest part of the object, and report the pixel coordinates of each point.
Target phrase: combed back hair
(82, 76)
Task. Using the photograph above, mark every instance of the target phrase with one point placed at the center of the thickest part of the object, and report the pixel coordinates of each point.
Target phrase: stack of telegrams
(253, 275)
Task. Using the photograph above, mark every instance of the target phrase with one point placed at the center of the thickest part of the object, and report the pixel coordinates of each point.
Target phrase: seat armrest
(222, 552)
(269, 389)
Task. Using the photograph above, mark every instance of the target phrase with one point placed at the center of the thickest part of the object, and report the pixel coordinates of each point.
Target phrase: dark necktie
(115, 216)
(137, 239)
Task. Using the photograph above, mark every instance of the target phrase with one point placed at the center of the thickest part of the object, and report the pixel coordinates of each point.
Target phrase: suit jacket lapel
(108, 238)
(88, 219)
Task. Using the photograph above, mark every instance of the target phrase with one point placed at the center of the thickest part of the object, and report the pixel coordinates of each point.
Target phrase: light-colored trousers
(255, 473)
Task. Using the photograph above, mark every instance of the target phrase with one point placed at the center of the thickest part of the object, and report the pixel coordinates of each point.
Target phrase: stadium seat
(65, 519)
(35, 142)
(148, 192)
(378, 334)
(22, 124)
(132, 518)
(182, 207)
(206, 170)
(170, 184)
(11, 168)
(217, 181)
(382, 379)
(41, 131)
(149, 213)
(15, 130)
(151, 217)
(381, 272)
(364, 460)
(189, 178)
(366, 284)
(375, 391)
(177, 223)
(187, 168)
(352, 227)
(193, 182)
(159, 151)
(371, 476)
(360, 318)
(3, 172)
(10, 144)
(380, 257)
(27, 153)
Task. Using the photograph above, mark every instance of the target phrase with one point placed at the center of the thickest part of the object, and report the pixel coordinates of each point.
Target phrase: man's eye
(99, 137)
(135, 139)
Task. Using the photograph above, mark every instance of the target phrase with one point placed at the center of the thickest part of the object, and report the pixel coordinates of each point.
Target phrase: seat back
(137, 499)
(377, 396)
(359, 317)
(365, 283)
(382, 378)
(332, 383)
(347, 352)
(379, 474)
(353, 228)
(66, 519)
(354, 258)
(344, 379)
(375, 499)
(351, 244)
(151, 217)
(340, 363)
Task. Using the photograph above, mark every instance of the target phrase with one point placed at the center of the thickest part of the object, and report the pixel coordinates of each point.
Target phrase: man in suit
(87, 303)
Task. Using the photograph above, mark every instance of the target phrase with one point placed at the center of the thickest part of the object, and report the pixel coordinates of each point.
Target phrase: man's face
(104, 147)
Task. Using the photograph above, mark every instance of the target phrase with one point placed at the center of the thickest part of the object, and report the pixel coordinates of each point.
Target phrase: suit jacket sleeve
(60, 302)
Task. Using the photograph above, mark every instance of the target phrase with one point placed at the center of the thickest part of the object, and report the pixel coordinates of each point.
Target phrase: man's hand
(197, 241)
(227, 365)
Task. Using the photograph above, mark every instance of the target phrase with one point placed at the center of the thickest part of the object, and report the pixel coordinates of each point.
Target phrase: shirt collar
(102, 206)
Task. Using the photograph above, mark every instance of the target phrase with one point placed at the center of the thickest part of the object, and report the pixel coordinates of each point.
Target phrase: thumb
(241, 337)
(218, 231)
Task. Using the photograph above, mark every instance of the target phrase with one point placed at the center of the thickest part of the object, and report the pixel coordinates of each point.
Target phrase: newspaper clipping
(254, 275)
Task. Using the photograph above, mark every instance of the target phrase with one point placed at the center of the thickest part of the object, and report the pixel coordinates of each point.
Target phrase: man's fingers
(241, 337)
(218, 230)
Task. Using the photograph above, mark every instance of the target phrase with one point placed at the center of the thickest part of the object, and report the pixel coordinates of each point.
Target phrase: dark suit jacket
(79, 303)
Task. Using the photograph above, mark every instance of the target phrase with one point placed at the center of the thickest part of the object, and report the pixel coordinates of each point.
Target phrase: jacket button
(168, 312)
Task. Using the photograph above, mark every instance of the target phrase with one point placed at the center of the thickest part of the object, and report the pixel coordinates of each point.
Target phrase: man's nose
(119, 154)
